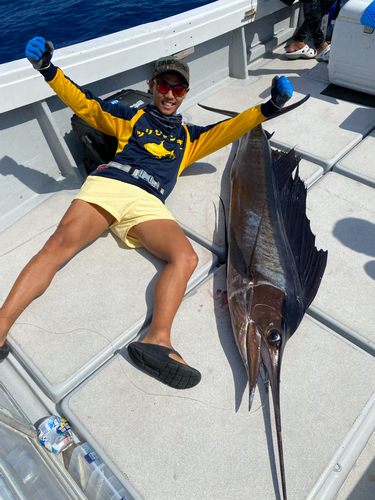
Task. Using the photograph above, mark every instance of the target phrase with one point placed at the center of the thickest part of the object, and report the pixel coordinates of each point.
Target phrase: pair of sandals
(308, 53)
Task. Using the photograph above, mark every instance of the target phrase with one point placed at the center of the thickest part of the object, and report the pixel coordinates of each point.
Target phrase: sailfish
(274, 268)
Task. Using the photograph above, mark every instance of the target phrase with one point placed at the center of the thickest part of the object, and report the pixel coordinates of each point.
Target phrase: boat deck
(203, 443)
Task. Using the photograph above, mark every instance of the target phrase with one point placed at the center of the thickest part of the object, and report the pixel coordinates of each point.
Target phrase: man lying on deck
(128, 195)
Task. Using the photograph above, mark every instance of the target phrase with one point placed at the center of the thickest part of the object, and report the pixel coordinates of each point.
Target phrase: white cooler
(352, 56)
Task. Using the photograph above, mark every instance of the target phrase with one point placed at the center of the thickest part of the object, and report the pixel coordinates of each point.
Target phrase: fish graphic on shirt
(159, 150)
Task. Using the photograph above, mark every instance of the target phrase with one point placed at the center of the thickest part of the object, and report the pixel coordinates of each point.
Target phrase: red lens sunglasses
(164, 87)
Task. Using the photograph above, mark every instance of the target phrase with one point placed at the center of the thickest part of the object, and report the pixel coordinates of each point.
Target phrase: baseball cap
(171, 64)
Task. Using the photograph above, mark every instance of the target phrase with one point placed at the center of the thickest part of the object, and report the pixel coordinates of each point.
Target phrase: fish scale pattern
(368, 16)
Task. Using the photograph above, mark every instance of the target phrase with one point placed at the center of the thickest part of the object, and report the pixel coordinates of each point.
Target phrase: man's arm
(205, 140)
(109, 118)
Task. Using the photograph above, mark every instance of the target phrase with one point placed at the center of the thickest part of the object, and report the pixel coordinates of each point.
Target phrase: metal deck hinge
(250, 13)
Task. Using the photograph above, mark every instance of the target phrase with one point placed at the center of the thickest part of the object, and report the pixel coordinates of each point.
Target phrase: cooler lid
(352, 10)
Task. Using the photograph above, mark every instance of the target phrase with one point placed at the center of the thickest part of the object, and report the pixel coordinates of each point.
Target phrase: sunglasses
(164, 87)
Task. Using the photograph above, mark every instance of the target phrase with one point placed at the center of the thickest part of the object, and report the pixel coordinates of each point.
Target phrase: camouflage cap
(171, 64)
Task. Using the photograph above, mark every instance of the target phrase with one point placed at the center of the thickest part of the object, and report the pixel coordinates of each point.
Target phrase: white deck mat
(96, 302)
(359, 163)
(195, 201)
(342, 214)
(203, 442)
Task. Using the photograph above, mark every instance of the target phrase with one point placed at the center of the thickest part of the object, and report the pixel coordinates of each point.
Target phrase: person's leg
(325, 5)
(166, 240)
(314, 10)
(82, 223)
(298, 41)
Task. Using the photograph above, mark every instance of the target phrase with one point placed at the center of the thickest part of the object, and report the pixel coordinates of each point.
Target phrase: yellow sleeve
(96, 112)
(221, 134)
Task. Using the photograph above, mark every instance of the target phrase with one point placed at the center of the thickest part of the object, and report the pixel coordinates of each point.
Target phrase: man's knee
(60, 245)
(190, 260)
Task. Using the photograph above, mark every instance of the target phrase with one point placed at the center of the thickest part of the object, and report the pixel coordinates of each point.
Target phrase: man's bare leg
(166, 240)
(82, 223)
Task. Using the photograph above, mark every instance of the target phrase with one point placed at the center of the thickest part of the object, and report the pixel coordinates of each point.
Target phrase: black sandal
(155, 361)
(4, 351)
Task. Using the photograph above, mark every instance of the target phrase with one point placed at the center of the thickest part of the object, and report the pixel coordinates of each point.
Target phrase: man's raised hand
(39, 52)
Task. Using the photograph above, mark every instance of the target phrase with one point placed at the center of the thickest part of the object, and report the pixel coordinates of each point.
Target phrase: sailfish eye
(273, 336)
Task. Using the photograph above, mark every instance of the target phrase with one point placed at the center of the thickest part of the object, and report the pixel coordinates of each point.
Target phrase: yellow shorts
(129, 204)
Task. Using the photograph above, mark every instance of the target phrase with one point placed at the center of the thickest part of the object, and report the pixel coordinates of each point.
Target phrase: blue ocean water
(72, 21)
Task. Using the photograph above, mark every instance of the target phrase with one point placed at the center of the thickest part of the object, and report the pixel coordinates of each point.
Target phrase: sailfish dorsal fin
(310, 262)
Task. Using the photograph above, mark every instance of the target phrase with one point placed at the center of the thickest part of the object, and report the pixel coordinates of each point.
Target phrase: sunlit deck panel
(342, 216)
(324, 129)
(203, 442)
(359, 164)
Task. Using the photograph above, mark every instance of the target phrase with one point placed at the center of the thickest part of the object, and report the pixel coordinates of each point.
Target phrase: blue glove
(281, 91)
(39, 52)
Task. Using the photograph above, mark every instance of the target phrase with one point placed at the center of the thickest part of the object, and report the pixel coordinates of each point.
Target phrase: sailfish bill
(274, 268)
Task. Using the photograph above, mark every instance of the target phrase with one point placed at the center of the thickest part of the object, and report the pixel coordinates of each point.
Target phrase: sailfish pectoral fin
(286, 109)
(247, 338)
(253, 342)
(232, 114)
(279, 112)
